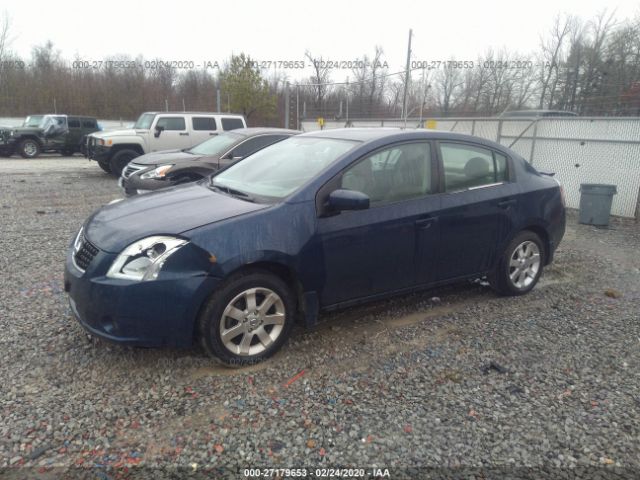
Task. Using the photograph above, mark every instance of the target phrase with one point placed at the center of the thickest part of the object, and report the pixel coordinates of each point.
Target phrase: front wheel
(520, 266)
(105, 166)
(29, 148)
(247, 319)
(120, 160)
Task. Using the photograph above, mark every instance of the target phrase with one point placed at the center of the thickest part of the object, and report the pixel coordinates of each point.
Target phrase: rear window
(232, 123)
(74, 123)
(172, 123)
(204, 123)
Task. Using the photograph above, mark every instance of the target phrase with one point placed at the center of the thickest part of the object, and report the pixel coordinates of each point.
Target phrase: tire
(120, 159)
(520, 266)
(29, 148)
(254, 341)
(105, 166)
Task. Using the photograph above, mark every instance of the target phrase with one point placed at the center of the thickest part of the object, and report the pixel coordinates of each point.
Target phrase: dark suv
(47, 133)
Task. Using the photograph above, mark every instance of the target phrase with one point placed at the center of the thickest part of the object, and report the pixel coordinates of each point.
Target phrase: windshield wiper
(233, 192)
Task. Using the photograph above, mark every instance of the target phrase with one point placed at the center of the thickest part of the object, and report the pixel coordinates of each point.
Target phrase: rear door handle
(212, 134)
(185, 134)
(507, 203)
(425, 223)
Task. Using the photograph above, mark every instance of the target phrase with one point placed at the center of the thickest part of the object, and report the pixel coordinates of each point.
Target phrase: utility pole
(297, 106)
(218, 109)
(347, 112)
(286, 105)
(406, 77)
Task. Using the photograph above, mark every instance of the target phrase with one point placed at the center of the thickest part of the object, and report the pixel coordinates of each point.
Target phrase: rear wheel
(29, 148)
(520, 266)
(120, 160)
(247, 319)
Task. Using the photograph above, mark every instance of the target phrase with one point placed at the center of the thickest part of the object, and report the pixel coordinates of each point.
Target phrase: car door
(72, 140)
(374, 251)
(478, 208)
(170, 132)
(203, 128)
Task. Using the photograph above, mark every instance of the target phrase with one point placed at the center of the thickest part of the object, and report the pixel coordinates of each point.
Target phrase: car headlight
(158, 172)
(104, 142)
(142, 260)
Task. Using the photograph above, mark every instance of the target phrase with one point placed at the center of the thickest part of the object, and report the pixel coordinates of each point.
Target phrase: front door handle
(507, 203)
(425, 223)
(184, 134)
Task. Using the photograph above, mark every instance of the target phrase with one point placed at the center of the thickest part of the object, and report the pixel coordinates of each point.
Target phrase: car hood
(27, 130)
(165, 156)
(125, 132)
(168, 212)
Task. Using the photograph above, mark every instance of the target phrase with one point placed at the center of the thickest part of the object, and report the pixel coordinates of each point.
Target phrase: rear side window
(204, 123)
(232, 123)
(468, 166)
(172, 123)
(89, 123)
(74, 123)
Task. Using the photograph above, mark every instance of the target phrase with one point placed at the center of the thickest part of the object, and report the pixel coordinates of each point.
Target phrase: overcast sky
(339, 30)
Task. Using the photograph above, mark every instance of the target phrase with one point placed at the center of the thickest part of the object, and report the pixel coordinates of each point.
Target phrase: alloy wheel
(252, 321)
(524, 264)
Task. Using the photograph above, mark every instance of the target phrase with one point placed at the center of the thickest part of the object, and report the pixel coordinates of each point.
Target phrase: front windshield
(33, 121)
(215, 145)
(280, 169)
(144, 121)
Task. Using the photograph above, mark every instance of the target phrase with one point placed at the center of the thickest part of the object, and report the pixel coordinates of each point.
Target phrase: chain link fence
(579, 150)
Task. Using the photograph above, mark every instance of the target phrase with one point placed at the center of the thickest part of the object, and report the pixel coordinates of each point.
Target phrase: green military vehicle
(38, 134)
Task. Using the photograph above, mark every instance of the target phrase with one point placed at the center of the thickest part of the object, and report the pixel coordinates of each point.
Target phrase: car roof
(251, 131)
(239, 115)
(372, 134)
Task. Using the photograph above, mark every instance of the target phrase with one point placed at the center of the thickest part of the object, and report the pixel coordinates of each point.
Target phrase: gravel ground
(453, 382)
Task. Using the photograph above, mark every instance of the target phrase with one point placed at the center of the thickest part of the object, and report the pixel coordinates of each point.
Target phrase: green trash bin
(595, 203)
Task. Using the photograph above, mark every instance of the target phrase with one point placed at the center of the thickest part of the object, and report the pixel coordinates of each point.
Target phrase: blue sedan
(319, 221)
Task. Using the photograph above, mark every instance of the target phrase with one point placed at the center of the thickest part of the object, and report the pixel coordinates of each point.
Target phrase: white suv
(155, 131)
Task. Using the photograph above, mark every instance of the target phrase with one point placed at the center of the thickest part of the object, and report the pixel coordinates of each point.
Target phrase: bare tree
(552, 55)
(319, 80)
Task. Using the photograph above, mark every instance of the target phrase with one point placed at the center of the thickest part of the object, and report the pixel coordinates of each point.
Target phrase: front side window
(278, 170)
(398, 173)
(468, 166)
(171, 123)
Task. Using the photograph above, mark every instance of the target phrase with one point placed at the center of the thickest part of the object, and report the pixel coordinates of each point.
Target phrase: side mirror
(340, 200)
(159, 130)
